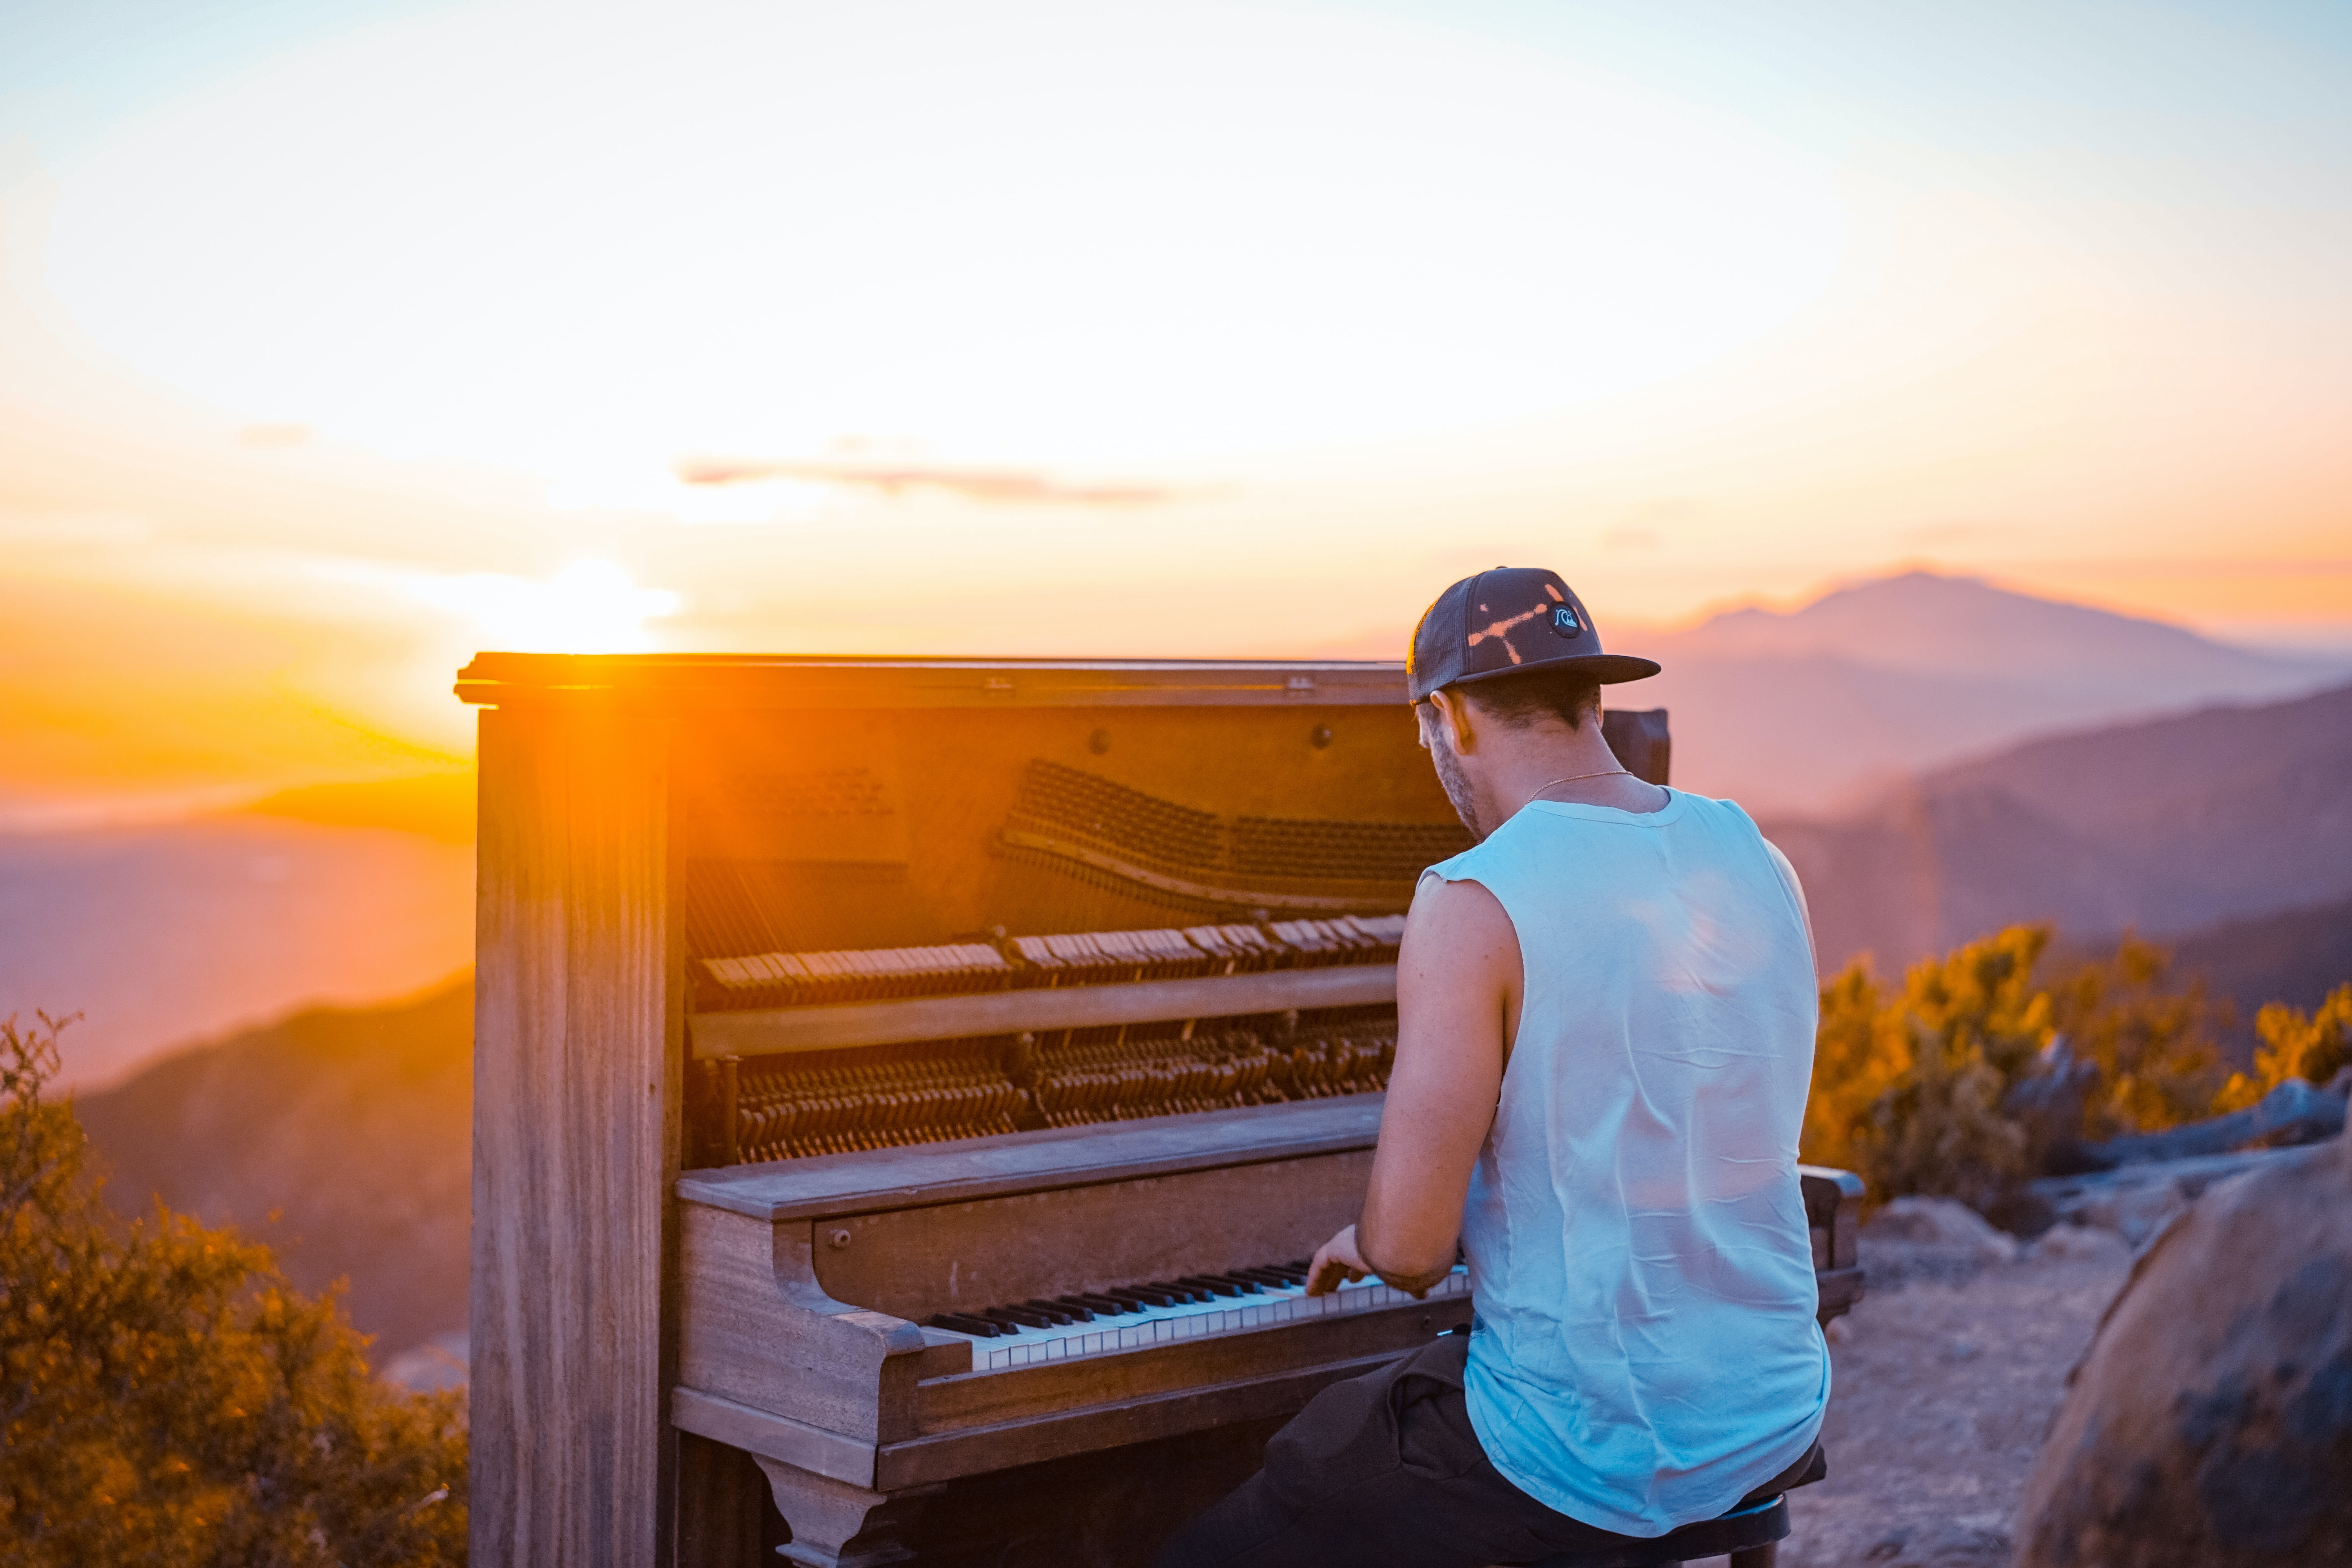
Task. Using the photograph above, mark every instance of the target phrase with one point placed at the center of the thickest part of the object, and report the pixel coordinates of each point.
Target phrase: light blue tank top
(1645, 1351)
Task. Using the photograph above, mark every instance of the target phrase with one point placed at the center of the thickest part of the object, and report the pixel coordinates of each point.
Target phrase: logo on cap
(1564, 621)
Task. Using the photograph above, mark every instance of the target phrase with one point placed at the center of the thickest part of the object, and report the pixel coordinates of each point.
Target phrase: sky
(339, 341)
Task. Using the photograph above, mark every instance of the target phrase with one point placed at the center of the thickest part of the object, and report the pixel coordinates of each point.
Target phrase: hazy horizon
(338, 341)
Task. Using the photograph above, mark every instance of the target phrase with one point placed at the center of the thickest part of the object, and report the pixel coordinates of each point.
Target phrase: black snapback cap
(1507, 620)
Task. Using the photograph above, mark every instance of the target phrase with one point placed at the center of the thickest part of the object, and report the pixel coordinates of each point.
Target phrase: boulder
(2294, 1112)
(2077, 1244)
(1940, 1223)
(2210, 1421)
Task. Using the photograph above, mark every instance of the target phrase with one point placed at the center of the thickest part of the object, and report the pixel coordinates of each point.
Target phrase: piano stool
(1750, 1534)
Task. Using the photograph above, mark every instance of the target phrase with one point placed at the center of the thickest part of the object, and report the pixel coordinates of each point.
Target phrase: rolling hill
(341, 1136)
(2172, 825)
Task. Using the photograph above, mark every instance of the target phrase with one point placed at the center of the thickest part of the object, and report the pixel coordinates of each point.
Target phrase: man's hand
(1335, 1260)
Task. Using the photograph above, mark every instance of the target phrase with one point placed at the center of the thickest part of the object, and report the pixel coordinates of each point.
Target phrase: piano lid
(970, 1169)
(819, 681)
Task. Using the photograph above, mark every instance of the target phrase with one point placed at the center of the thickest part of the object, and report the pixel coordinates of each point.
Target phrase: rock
(2210, 1422)
(2076, 1244)
(1940, 1222)
(441, 1361)
(2134, 1210)
(2114, 1200)
(2294, 1112)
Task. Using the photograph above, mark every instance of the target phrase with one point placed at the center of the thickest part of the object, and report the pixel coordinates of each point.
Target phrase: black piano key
(1214, 1286)
(1057, 1313)
(1240, 1282)
(964, 1324)
(1277, 1276)
(1103, 1304)
(1138, 1298)
(1020, 1317)
(1179, 1293)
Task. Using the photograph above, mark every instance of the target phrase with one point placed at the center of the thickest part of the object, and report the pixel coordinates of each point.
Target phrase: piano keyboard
(1126, 1318)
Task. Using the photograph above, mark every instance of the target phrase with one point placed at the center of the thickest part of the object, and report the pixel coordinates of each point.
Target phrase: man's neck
(1569, 766)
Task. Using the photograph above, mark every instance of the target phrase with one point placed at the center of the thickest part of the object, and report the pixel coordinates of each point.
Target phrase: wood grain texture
(726, 1516)
(575, 1095)
(1119, 1424)
(879, 1179)
(757, 1329)
(961, 1257)
(775, 1030)
(749, 681)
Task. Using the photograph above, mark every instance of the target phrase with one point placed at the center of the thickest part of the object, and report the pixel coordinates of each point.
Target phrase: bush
(166, 1398)
(1907, 1086)
(1926, 1090)
(2157, 1051)
(2314, 1048)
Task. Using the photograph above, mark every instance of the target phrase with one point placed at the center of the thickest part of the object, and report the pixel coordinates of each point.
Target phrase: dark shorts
(1383, 1468)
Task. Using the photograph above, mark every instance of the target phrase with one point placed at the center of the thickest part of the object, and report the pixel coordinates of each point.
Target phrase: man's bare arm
(1458, 981)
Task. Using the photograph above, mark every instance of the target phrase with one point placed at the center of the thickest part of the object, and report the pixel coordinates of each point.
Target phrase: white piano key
(1111, 1333)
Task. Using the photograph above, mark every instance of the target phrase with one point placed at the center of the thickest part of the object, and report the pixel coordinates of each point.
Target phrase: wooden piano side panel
(755, 1327)
(946, 1257)
(576, 1074)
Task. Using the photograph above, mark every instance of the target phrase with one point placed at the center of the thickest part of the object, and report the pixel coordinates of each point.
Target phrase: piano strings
(789, 1108)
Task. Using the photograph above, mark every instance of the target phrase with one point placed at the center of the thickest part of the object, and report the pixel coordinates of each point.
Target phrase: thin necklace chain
(1605, 773)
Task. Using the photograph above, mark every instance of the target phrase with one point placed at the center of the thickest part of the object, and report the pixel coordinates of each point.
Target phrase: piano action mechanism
(912, 1088)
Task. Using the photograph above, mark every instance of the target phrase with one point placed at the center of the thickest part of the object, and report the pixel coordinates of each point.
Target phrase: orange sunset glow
(716, 839)
(340, 341)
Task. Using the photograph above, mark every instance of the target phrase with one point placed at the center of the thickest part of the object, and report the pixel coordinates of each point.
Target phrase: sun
(589, 606)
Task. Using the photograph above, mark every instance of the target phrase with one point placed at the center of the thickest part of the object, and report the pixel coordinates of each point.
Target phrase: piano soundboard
(904, 1083)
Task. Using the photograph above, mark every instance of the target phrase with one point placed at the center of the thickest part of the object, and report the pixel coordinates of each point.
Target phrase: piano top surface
(819, 681)
(970, 1169)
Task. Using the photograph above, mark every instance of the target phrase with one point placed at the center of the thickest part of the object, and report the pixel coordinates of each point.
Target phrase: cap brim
(1608, 668)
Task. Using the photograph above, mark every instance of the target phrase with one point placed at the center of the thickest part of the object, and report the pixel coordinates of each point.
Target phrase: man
(1605, 1032)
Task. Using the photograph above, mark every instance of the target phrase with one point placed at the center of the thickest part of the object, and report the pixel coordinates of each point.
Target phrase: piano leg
(837, 1525)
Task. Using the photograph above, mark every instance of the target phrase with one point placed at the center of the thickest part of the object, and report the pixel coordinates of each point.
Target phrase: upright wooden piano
(908, 1090)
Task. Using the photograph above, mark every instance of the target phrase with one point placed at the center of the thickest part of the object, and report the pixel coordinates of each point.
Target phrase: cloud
(274, 436)
(1005, 486)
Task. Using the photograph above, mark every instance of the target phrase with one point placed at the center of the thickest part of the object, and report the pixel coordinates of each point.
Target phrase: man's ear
(1454, 714)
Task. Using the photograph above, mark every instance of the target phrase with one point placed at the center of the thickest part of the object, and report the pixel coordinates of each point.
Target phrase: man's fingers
(1323, 1274)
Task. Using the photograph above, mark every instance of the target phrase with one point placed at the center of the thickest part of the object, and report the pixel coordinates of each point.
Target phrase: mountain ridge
(1820, 708)
(2170, 825)
(342, 1136)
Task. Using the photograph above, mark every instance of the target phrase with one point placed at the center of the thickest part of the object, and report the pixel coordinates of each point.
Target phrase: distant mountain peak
(1925, 620)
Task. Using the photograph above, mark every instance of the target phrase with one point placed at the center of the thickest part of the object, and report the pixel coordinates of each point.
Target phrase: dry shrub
(2315, 1047)
(1916, 1089)
(1907, 1085)
(166, 1398)
(2157, 1048)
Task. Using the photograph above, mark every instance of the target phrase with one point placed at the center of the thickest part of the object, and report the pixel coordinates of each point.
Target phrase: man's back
(1604, 1031)
(1645, 1350)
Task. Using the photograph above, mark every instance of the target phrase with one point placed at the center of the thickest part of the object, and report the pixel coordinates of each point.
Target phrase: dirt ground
(1945, 1377)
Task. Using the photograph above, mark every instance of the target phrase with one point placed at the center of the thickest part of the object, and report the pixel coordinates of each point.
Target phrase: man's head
(1505, 671)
